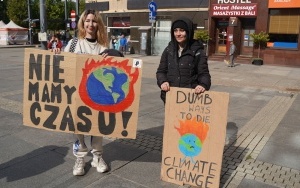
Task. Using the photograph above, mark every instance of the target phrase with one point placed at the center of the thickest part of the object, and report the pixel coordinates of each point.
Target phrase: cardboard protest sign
(194, 137)
(82, 94)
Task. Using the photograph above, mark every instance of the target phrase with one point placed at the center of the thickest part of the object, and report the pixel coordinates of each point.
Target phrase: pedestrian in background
(123, 43)
(92, 39)
(231, 54)
(113, 42)
(183, 62)
(54, 44)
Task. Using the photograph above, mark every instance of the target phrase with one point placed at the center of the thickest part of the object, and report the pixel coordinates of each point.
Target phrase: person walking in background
(113, 42)
(67, 36)
(117, 42)
(63, 39)
(54, 44)
(92, 39)
(123, 43)
(183, 62)
(231, 54)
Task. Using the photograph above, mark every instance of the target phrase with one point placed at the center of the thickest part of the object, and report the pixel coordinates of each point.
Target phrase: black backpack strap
(73, 44)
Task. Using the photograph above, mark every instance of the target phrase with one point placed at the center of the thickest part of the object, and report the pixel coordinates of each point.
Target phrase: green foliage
(260, 40)
(17, 11)
(3, 13)
(35, 9)
(81, 6)
(201, 35)
(249, 157)
(55, 14)
(14, 12)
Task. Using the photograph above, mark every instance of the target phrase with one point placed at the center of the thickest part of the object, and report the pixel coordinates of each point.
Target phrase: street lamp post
(77, 9)
(77, 15)
(29, 22)
(66, 15)
(43, 22)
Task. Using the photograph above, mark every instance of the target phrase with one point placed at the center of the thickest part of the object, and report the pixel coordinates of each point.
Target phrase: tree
(14, 13)
(81, 6)
(260, 40)
(35, 9)
(3, 12)
(202, 35)
(55, 14)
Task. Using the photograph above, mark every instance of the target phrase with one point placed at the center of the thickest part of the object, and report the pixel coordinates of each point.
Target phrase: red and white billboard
(233, 10)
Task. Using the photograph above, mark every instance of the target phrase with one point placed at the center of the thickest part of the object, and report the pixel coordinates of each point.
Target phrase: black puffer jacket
(188, 70)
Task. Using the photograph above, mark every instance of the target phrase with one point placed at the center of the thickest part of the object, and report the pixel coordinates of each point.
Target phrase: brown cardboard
(58, 90)
(190, 120)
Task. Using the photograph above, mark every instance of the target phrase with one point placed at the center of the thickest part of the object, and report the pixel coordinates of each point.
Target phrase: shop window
(121, 22)
(283, 41)
(248, 41)
(162, 35)
(164, 26)
(284, 28)
(223, 37)
(284, 21)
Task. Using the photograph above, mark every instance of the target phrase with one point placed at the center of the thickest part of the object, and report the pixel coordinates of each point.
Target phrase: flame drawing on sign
(193, 134)
(108, 85)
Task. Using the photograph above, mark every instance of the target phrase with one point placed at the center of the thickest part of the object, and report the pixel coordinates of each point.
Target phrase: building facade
(234, 20)
(132, 18)
(226, 20)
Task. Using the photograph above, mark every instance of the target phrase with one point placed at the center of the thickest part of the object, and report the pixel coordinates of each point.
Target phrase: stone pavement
(263, 133)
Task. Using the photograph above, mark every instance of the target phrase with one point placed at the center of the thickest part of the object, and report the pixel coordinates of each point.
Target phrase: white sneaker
(100, 164)
(78, 169)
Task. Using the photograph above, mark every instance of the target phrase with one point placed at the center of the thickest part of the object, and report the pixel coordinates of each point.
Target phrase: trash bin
(132, 50)
(133, 43)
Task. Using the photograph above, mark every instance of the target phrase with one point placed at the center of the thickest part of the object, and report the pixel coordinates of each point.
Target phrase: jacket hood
(190, 31)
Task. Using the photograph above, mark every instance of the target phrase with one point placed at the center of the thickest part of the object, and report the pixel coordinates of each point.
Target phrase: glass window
(283, 41)
(222, 36)
(248, 41)
(284, 21)
(284, 28)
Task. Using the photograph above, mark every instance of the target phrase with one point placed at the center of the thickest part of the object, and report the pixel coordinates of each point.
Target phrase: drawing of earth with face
(190, 145)
(192, 136)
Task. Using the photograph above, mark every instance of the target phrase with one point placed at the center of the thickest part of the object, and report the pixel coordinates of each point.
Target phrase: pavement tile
(14, 84)
(280, 155)
(145, 170)
(113, 181)
(246, 183)
(252, 132)
(15, 97)
(42, 137)
(29, 167)
(4, 113)
(15, 150)
(10, 124)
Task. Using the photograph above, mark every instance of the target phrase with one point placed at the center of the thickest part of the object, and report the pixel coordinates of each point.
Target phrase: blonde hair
(101, 34)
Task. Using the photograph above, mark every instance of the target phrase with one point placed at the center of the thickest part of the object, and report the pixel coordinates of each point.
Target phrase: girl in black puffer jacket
(183, 62)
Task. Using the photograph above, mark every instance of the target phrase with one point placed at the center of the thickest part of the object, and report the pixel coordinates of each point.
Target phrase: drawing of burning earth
(107, 85)
(193, 133)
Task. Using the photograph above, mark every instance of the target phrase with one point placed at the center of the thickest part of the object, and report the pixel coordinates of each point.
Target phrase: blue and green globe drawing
(107, 85)
(190, 145)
